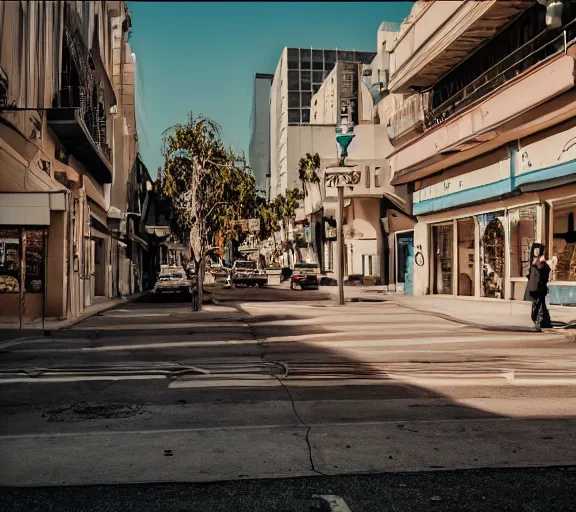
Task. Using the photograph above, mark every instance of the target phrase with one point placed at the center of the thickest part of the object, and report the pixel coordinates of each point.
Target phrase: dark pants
(540, 314)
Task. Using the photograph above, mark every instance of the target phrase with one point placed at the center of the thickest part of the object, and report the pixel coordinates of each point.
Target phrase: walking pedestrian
(537, 287)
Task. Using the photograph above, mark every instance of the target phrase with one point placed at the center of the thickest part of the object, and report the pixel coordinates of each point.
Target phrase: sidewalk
(10, 331)
(484, 313)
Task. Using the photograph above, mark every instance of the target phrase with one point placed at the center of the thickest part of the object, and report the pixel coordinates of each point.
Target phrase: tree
(205, 186)
(307, 168)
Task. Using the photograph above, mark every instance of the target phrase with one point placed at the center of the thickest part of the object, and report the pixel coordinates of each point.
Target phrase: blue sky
(202, 56)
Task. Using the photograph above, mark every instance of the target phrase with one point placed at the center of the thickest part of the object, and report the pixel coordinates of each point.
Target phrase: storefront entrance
(492, 254)
(405, 261)
(22, 272)
(443, 244)
(563, 254)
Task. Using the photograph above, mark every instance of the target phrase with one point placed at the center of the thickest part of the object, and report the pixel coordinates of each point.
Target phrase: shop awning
(29, 209)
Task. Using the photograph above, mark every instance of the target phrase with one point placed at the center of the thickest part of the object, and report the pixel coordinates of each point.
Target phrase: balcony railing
(519, 61)
(94, 117)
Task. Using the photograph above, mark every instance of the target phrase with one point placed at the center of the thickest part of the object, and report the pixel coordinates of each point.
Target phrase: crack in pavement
(261, 343)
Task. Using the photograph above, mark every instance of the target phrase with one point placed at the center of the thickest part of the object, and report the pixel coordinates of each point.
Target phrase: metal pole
(44, 278)
(340, 239)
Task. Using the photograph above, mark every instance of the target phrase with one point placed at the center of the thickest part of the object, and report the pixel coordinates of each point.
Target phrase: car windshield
(305, 266)
(246, 265)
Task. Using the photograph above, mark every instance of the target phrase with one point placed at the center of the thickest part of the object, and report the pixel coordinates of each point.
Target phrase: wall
(547, 148)
(56, 279)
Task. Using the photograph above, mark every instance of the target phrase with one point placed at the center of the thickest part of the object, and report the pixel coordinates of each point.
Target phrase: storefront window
(443, 237)
(34, 261)
(522, 236)
(9, 260)
(564, 246)
(466, 238)
(492, 254)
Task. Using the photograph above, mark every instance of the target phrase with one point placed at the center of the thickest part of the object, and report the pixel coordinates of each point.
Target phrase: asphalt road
(273, 383)
(511, 490)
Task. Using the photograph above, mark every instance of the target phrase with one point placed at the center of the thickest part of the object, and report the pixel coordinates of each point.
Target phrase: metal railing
(516, 63)
(76, 97)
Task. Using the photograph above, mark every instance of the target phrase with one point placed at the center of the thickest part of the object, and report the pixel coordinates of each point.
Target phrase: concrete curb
(66, 324)
(565, 333)
(106, 307)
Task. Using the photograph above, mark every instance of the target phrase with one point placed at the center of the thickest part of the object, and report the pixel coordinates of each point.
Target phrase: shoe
(537, 328)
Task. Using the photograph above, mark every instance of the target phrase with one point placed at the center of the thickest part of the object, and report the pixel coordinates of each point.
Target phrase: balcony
(443, 35)
(516, 107)
(81, 128)
(406, 117)
(544, 45)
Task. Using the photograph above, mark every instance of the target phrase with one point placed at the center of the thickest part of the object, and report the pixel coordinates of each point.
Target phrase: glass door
(466, 249)
(443, 238)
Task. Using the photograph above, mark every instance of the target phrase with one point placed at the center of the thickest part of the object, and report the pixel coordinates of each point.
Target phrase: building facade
(259, 150)
(374, 209)
(482, 122)
(61, 113)
(299, 74)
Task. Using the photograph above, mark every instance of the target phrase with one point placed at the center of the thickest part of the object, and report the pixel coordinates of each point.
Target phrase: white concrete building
(299, 74)
(374, 210)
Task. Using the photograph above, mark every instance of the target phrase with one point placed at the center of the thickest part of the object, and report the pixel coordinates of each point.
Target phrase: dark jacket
(538, 278)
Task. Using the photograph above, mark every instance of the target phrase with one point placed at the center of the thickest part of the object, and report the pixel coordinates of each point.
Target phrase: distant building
(259, 151)
(299, 74)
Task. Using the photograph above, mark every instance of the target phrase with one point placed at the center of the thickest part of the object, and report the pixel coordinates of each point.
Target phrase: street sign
(341, 176)
(251, 225)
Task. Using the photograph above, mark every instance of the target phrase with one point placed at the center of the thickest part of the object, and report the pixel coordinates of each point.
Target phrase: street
(273, 383)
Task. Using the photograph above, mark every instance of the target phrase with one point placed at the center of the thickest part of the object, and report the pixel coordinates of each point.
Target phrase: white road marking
(337, 504)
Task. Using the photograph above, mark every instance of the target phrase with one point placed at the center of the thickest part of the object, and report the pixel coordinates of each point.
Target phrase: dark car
(305, 275)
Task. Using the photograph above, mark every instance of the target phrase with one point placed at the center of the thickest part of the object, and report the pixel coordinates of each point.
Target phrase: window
(293, 100)
(443, 258)
(305, 115)
(306, 80)
(317, 59)
(306, 99)
(293, 58)
(377, 176)
(305, 59)
(293, 115)
(317, 77)
(293, 80)
(367, 175)
(492, 254)
(522, 236)
(9, 260)
(564, 244)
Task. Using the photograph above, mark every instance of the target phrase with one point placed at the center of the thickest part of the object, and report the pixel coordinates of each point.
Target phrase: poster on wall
(9, 260)
(34, 260)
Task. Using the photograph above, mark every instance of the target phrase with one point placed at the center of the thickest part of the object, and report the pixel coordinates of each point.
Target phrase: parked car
(175, 280)
(305, 275)
(247, 273)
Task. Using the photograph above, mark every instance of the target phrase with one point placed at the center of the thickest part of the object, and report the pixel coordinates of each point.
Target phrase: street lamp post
(340, 177)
